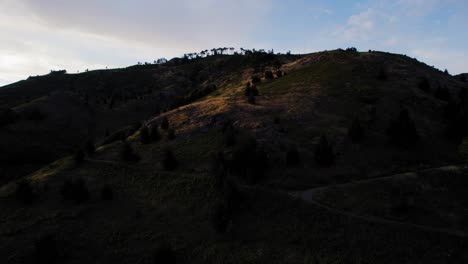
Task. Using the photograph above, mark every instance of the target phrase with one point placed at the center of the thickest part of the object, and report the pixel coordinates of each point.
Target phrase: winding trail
(308, 197)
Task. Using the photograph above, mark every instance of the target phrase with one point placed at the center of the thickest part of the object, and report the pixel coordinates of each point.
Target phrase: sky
(37, 36)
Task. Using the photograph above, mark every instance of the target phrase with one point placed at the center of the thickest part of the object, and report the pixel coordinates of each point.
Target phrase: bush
(76, 190)
(251, 99)
(171, 134)
(145, 135)
(402, 131)
(169, 160)
(292, 157)
(24, 192)
(164, 123)
(269, 75)
(46, 250)
(424, 85)
(356, 132)
(462, 95)
(279, 74)
(463, 78)
(154, 133)
(324, 155)
(164, 254)
(107, 193)
(128, 154)
(351, 49)
(256, 79)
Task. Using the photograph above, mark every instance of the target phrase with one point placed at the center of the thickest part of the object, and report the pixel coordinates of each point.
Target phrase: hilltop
(330, 157)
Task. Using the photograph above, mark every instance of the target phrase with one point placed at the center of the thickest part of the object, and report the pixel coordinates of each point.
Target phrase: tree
(256, 79)
(446, 72)
(221, 218)
(169, 160)
(164, 123)
(324, 155)
(279, 74)
(251, 99)
(356, 132)
(402, 131)
(171, 134)
(269, 75)
(128, 154)
(154, 133)
(144, 135)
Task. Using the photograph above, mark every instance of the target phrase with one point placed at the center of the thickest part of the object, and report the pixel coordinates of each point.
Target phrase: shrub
(24, 192)
(324, 155)
(293, 157)
(164, 254)
(107, 193)
(279, 74)
(154, 133)
(145, 135)
(164, 123)
(46, 250)
(424, 85)
(171, 134)
(251, 99)
(76, 190)
(463, 78)
(442, 93)
(128, 154)
(256, 79)
(79, 156)
(402, 131)
(356, 132)
(169, 160)
(269, 75)
(351, 49)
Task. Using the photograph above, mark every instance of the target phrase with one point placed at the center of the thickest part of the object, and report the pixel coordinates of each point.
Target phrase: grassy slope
(152, 205)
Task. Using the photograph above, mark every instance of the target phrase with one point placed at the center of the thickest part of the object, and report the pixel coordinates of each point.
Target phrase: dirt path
(308, 196)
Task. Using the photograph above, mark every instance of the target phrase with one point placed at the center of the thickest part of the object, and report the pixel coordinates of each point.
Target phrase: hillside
(330, 157)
